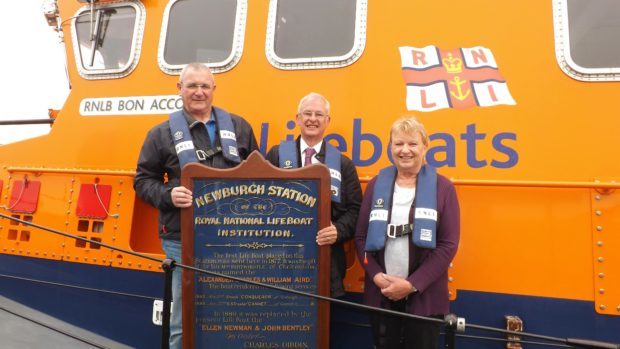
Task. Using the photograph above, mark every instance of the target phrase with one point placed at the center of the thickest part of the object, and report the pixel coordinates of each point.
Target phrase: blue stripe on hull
(122, 312)
(546, 316)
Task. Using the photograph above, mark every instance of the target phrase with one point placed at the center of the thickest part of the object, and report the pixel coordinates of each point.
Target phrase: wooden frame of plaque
(255, 222)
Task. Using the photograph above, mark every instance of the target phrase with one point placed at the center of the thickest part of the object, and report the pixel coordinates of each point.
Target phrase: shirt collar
(303, 145)
(193, 122)
(212, 117)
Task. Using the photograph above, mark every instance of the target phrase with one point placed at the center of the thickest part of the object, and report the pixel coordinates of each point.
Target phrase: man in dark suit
(310, 148)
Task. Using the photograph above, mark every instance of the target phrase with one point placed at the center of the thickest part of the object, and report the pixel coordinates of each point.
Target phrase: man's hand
(327, 236)
(181, 197)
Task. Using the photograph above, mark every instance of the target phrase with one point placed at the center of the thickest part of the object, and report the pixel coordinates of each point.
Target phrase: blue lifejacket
(184, 145)
(425, 217)
(287, 152)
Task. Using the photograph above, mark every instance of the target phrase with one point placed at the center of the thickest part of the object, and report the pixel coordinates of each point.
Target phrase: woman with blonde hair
(407, 234)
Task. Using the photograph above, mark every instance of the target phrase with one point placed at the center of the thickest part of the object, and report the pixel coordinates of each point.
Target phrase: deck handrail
(26, 122)
(64, 170)
(595, 184)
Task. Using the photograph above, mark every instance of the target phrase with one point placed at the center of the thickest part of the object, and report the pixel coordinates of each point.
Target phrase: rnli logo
(178, 135)
(459, 78)
(379, 203)
(288, 164)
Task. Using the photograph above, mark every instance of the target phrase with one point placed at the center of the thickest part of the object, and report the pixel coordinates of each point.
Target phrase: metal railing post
(168, 266)
(453, 324)
(450, 326)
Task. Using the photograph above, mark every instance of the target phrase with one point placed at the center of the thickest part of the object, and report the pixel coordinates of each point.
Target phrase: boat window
(314, 34)
(106, 39)
(587, 34)
(207, 31)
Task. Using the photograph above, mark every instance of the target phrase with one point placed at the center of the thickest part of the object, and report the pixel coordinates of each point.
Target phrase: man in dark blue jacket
(198, 133)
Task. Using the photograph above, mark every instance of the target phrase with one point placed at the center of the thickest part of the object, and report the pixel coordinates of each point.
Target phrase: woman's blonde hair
(409, 125)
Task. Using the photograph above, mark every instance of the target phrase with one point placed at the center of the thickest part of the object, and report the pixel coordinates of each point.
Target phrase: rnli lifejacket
(287, 152)
(424, 230)
(184, 145)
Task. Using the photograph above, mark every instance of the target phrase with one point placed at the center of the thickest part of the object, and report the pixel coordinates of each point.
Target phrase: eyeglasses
(307, 114)
(195, 87)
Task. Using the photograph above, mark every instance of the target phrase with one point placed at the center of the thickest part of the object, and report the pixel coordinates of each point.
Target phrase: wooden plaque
(255, 222)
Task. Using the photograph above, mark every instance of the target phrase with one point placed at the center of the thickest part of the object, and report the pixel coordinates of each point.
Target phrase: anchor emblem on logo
(458, 82)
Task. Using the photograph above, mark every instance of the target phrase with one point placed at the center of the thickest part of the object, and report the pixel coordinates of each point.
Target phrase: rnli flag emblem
(458, 78)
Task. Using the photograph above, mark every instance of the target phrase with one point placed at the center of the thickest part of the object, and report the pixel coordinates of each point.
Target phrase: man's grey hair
(310, 96)
(197, 66)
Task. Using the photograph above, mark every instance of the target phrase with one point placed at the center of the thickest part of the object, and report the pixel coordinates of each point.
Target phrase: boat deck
(24, 327)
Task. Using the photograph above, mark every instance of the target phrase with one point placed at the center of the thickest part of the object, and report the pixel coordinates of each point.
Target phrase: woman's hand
(381, 281)
(397, 288)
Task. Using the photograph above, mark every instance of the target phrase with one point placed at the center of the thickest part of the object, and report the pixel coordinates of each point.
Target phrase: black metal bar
(90, 289)
(168, 266)
(586, 343)
(26, 122)
(516, 333)
(506, 340)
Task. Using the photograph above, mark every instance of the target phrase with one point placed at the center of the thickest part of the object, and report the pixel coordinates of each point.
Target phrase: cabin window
(315, 34)
(587, 34)
(106, 39)
(207, 31)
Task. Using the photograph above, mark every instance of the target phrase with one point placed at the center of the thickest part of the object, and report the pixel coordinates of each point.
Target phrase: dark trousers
(396, 332)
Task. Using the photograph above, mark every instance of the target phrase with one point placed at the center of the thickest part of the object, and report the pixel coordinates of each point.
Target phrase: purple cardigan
(428, 267)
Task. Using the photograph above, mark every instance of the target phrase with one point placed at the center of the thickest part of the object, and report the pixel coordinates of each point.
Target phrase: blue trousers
(172, 248)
